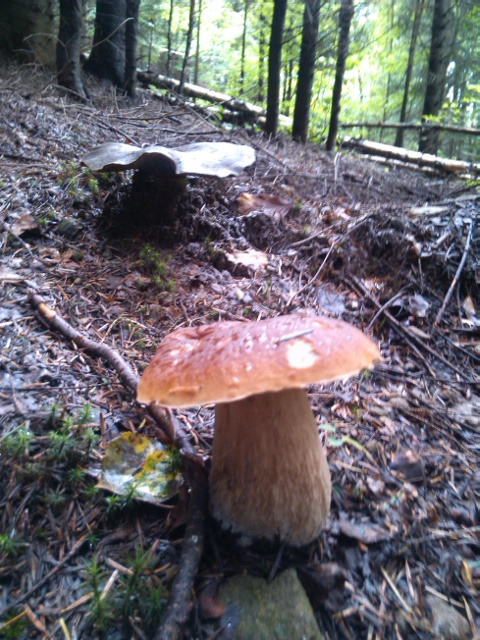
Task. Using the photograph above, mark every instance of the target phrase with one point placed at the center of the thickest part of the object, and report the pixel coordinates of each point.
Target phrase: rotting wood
(407, 157)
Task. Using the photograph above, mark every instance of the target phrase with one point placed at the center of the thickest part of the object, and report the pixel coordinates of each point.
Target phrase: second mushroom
(269, 476)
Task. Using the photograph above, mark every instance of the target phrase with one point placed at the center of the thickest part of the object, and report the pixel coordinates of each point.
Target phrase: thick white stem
(270, 476)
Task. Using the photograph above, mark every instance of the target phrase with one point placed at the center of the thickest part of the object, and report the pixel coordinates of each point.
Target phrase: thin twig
(179, 603)
(76, 547)
(409, 336)
(169, 432)
(456, 277)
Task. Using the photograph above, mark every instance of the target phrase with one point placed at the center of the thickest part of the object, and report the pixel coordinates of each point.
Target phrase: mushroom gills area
(270, 476)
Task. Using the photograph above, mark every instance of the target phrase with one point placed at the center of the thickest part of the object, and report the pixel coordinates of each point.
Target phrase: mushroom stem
(270, 475)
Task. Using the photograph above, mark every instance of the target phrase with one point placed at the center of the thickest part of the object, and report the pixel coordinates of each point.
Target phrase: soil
(390, 250)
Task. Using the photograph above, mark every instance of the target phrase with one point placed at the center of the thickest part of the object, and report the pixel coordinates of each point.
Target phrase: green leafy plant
(102, 612)
(117, 503)
(55, 498)
(17, 441)
(153, 264)
(16, 626)
(10, 544)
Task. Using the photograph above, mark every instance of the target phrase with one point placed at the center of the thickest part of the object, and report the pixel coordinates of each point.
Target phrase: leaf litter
(394, 251)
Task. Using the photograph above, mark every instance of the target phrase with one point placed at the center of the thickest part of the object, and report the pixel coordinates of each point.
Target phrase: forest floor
(396, 252)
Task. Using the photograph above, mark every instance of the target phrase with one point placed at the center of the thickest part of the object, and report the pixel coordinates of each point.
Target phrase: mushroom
(160, 177)
(219, 159)
(269, 474)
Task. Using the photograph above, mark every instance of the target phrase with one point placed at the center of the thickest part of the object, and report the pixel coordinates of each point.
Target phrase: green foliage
(16, 626)
(17, 441)
(47, 464)
(115, 504)
(62, 453)
(50, 215)
(153, 264)
(102, 611)
(11, 545)
(376, 67)
(79, 181)
(135, 593)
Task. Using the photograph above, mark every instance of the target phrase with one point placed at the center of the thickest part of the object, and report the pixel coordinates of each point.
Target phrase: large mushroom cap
(232, 360)
(218, 159)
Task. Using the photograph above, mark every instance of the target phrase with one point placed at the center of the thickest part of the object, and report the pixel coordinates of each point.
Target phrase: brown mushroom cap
(232, 360)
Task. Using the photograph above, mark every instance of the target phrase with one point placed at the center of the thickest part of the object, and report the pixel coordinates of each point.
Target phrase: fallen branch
(456, 277)
(411, 338)
(411, 125)
(179, 603)
(407, 157)
(251, 112)
(202, 93)
(169, 433)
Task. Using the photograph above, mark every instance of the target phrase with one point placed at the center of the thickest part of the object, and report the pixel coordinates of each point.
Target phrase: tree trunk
(170, 38)
(107, 58)
(188, 44)
(131, 39)
(440, 50)
(262, 41)
(197, 47)
(275, 66)
(306, 69)
(244, 47)
(345, 19)
(27, 30)
(68, 46)
(419, 6)
(388, 53)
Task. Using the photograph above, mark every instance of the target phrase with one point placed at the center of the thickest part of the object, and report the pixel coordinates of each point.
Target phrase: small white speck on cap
(301, 353)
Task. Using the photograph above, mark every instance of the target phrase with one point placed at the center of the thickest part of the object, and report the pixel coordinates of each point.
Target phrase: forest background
(391, 250)
(401, 61)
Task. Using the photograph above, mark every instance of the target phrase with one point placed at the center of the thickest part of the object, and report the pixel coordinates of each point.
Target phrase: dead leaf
(10, 277)
(248, 202)
(418, 306)
(469, 307)
(26, 222)
(409, 464)
(250, 258)
(365, 531)
(209, 602)
(134, 462)
(375, 485)
(330, 301)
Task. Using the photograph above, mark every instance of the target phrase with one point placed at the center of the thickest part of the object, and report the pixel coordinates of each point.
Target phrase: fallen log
(410, 125)
(408, 157)
(201, 93)
(250, 111)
